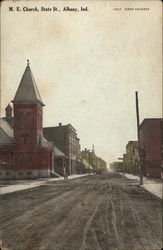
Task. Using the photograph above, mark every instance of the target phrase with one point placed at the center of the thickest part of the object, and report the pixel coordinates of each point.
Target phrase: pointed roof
(6, 132)
(27, 90)
(8, 107)
(43, 142)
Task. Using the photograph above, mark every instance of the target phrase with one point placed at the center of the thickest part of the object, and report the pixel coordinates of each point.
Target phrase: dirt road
(101, 212)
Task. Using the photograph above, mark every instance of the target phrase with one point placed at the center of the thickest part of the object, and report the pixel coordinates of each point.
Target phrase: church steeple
(93, 148)
(27, 62)
(27, 91)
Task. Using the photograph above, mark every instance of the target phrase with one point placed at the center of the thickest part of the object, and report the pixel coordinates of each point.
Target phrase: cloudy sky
(87, 65)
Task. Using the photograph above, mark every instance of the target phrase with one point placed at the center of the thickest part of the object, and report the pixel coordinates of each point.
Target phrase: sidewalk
(154, 186)
(8, 186)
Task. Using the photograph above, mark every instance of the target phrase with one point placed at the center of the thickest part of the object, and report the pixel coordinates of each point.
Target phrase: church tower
(32, 152)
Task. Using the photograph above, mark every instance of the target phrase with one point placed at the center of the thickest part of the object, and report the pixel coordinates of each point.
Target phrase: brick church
(24, 152)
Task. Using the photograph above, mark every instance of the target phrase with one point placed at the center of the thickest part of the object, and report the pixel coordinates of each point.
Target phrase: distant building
(90, 162)
(87, 156)
(24, 152)
(65, 138)
(116, 166)
(151, 140)
(130, 158)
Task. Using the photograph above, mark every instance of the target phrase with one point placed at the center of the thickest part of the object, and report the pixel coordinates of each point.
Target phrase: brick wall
(150, 146)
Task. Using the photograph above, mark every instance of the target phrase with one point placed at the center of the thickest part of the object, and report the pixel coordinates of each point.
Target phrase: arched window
(29, 120)
(25, 138)
(21, 119)
(39, 119)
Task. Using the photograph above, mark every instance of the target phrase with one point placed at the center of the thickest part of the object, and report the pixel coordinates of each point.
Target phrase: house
(130, 158)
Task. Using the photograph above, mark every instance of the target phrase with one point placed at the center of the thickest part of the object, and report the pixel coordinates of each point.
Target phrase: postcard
(71, 147)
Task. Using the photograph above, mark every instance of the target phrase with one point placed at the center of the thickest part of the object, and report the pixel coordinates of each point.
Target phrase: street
(97, 212)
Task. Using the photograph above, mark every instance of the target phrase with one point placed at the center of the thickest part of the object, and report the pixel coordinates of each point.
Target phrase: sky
(87, 66)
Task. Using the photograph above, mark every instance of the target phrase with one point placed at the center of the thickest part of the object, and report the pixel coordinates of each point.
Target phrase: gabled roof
(9, 121)
(6, 132)
(6, 127)
(56, 151)
(27, 90)
(43, 142)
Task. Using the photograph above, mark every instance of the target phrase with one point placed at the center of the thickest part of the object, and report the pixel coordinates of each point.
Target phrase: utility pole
(137, 116)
